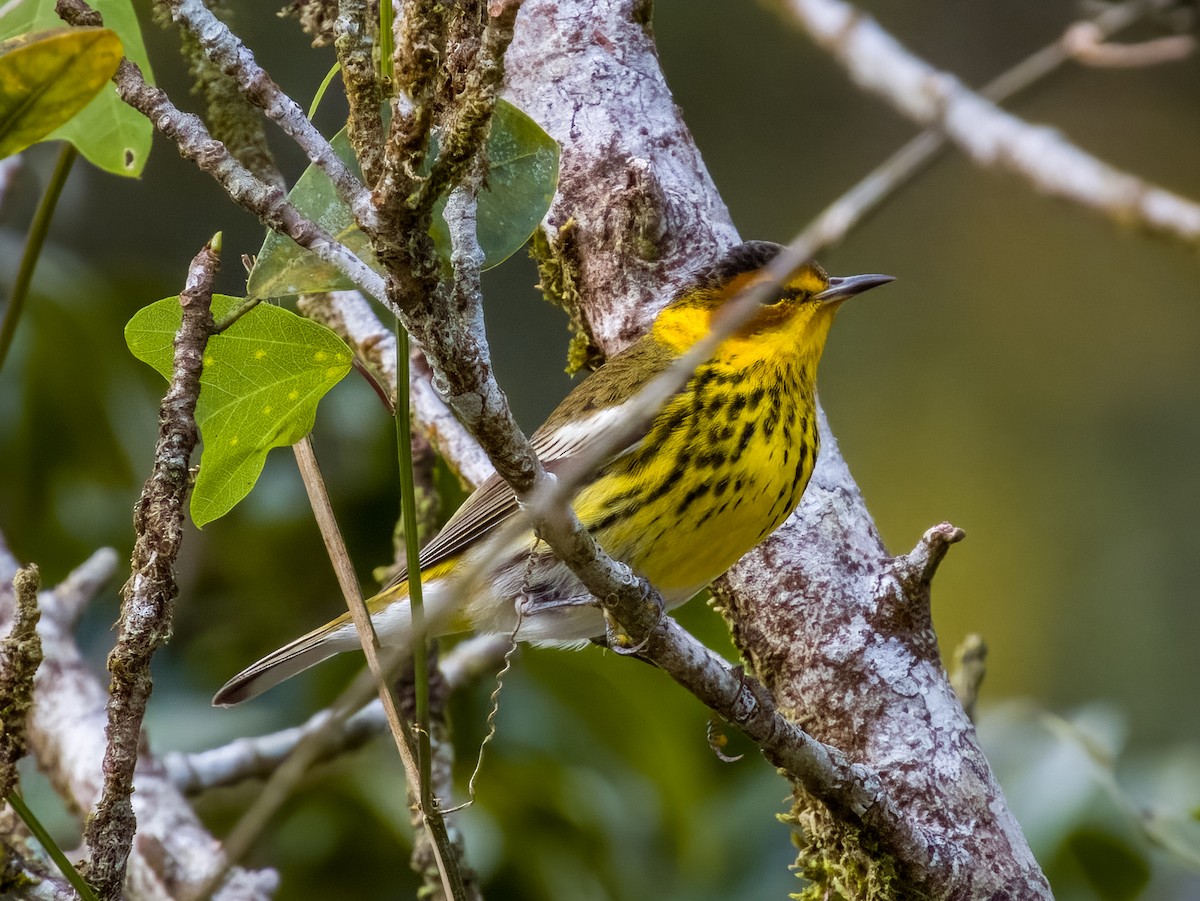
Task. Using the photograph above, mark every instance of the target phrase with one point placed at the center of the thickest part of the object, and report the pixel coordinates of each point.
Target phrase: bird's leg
(619, 640)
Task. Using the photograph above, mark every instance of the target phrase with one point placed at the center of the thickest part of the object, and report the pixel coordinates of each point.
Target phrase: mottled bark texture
(150, 593)
(839, 631)
(172, 852)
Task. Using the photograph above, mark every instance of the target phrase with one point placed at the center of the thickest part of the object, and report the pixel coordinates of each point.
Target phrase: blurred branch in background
(1083, 42)
(989, 136)
(258, 757)
(66, 733)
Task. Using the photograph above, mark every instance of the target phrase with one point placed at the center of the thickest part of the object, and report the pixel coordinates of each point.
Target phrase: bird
(723, 463)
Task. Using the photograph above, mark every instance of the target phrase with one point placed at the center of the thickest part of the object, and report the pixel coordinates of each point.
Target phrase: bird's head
(797, 314)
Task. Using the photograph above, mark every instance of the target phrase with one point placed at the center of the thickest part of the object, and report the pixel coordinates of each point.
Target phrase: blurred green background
(1033, 376)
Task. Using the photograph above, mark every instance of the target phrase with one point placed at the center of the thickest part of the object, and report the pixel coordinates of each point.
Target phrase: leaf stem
(408, 515)
(386, 43)
(316, 101)
(33, 246)
(47, 841)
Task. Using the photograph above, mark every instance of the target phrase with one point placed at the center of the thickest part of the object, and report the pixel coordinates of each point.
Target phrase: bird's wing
(493, 502)
(564, 434)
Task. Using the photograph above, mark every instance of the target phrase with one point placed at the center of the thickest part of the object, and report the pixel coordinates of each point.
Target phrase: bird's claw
(619, 640)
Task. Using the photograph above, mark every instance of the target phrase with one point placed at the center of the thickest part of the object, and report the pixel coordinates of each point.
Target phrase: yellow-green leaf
(109, 133)
(262, 379)
(521, 179)
(46, 77)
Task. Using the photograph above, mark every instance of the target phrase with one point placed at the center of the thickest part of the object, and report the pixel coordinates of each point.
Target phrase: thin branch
(991, 137)
(1086, 44)
(227, 52)
(151, 590)
(447, 857)
(231, 118)
(188, 132)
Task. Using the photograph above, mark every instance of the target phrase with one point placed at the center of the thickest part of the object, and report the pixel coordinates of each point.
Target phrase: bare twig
(227, 51)
(231, 118)
(447, 856)
(267, 202)
(991, 137)
(1086, 44)
(151, 590)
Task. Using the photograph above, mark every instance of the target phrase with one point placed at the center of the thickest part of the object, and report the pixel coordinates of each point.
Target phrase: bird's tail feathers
(295, 657)
(391, 616)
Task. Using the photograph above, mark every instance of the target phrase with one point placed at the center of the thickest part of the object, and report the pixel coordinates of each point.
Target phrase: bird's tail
(391, 616)
(295, 657)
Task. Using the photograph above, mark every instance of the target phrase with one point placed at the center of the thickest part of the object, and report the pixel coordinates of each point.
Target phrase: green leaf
(521, 180)
(283, 268)
(263, 377)
(46, 77)
(109, 133)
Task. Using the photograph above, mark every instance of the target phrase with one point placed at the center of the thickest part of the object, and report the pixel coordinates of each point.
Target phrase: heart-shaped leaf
(262, 379)
(521, 179)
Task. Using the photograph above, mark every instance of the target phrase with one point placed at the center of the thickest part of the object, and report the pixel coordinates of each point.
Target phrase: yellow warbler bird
(723, 464)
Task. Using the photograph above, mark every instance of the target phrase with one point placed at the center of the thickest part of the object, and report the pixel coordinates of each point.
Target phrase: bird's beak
(843, 288)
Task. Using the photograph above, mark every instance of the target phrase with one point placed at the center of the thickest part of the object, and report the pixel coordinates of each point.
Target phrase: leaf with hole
(47, 77)
(108, 132)
(262, 379)
(521, 179)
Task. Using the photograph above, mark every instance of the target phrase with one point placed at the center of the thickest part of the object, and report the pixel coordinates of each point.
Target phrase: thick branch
(642, 207)
(828, 557)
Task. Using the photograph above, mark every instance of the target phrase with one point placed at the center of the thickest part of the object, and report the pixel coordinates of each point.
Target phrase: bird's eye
(789, 294)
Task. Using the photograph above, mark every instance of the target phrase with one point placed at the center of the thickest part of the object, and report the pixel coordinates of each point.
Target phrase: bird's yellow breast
(722, 467)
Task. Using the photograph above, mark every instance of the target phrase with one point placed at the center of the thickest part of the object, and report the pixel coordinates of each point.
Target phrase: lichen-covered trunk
(838, 631)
